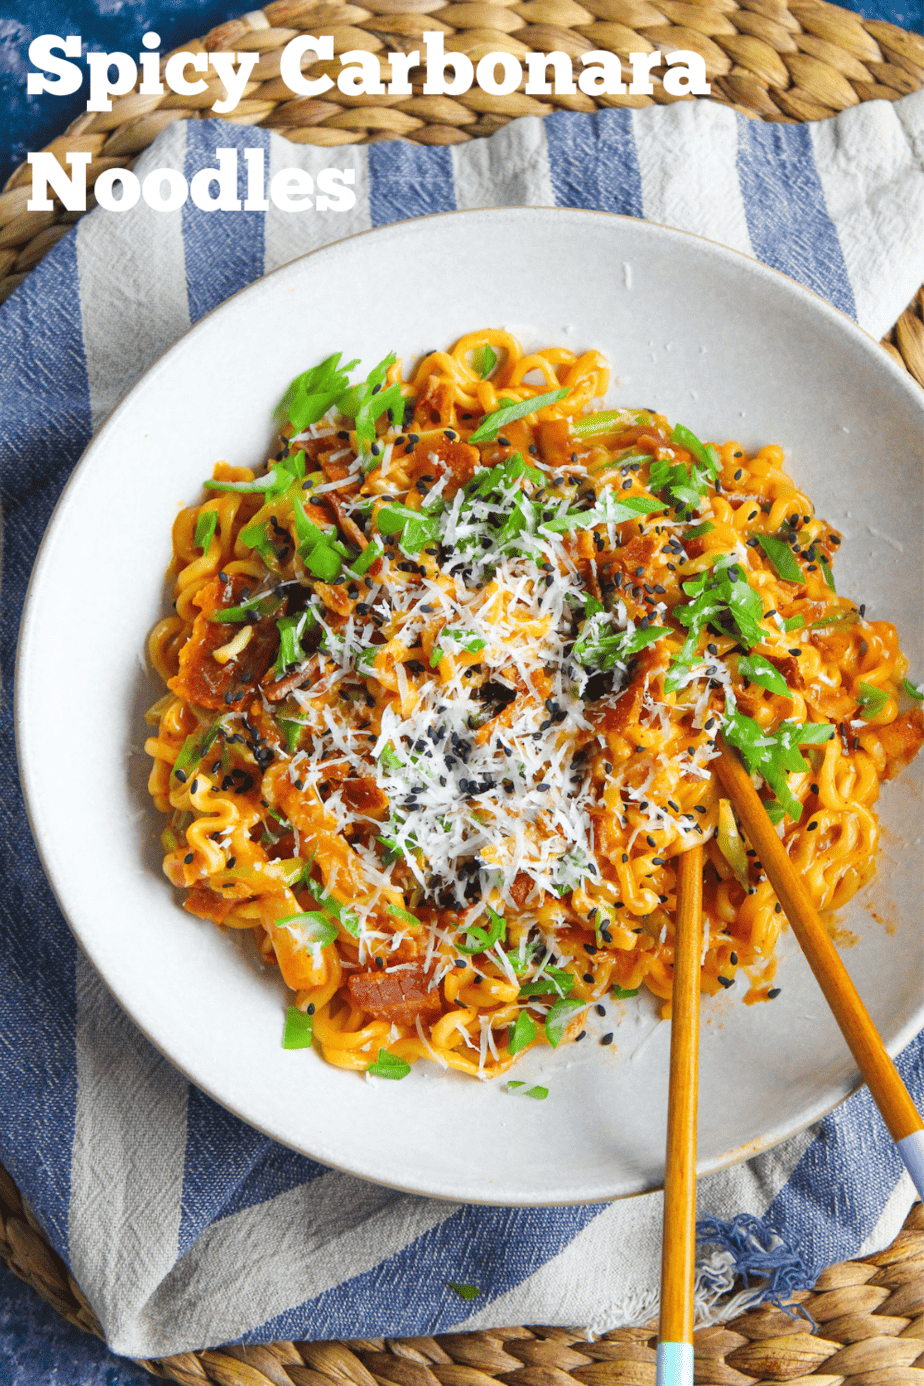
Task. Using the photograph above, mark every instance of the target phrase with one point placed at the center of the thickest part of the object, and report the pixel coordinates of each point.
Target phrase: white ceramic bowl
(711, 338)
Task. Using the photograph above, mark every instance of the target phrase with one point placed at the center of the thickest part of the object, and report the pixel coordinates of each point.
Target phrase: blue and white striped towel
(182, 1225)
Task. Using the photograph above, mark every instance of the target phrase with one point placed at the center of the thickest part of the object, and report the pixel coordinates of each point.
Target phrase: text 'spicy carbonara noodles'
(444, 684)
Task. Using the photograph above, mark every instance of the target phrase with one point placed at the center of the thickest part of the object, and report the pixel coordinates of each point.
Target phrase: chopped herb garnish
(389, 1065)
(484, 359)
(698, 531)
(553, 979)
(912, 690)
(825, 567)
(560, 1017)
(312, 928)
(464, 1291)
(782, 557)
(364, 562)
(480, 940)
(794, 622)
(705, 454)
(522, 1033)
(538, 1092)
(311, 394)
(872, 699)
(624, 993)
(206, 524)
(492, 424)
(759, 670)
(299, 1029)
(607, 511)
(774, 755)
(609, 421)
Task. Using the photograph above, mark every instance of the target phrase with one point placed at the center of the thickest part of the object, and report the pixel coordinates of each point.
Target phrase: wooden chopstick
(678, 1244)
(889, 1092)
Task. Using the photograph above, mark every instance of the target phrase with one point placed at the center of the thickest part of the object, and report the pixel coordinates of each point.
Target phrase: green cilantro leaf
(760, 671)
(522, 1033)
(389, 1065)
(872, 699)
(559, 1018)
(492, 424)
(782, 557)
(299, 1029)
(206, 524)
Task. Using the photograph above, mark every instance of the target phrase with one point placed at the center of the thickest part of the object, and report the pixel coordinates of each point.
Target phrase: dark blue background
(29, 122)
(37, 1347)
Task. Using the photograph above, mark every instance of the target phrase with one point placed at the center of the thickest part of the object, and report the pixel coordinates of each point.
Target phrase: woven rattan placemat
(778, 60)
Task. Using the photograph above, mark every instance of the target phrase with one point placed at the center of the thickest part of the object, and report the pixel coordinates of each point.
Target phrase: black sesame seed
(189, 858)
(607, 1038)
(726, 981)
(773, 993)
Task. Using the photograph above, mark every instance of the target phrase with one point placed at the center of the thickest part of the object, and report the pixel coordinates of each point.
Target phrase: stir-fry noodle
(444, 685)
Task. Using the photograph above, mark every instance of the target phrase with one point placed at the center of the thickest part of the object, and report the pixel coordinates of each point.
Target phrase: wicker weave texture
(781, 60)
(870, 1317)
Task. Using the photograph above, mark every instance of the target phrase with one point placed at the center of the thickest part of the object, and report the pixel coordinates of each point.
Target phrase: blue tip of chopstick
(675, 1364)
(911, 1149)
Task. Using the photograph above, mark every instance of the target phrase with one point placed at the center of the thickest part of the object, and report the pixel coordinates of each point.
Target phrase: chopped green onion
(515, 1083)
(324, 563)
(255, 537)
(311, 394)
(538, 1092)
(292, 730)
(560, 1017)
(775, 811)
(608, 421)
(730, 843)
(707, 455)
(260, 607)
(607, 511)
(262, 483)
(389, 1065)
(492, 424)
(872, 699)
(794, 622)
(624, 993)
(312, 928)
(553, 979)
(774, 755)
(195, 747)
(760, 671)
(464, 1291)
(299, 1029)
(364, 562)
(522, 1033)
(912, 690)
(483, 939)
(406, 915)
(846, 618)
(782, 557)
(206, 524)
(698, 531)
(825, 567)
(484, 359)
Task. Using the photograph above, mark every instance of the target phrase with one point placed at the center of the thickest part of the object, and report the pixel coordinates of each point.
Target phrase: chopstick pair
(904, 1123)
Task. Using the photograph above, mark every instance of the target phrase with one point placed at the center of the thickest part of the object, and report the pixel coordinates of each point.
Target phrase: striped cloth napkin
(184, 1227)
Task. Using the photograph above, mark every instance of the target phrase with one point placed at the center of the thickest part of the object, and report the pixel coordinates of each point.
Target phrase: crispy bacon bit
(201, 679)
(901, 741)
(276, 689)
(437, 454)
(363, 795)
(521, 889)
(207, 905)
(398, 997)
